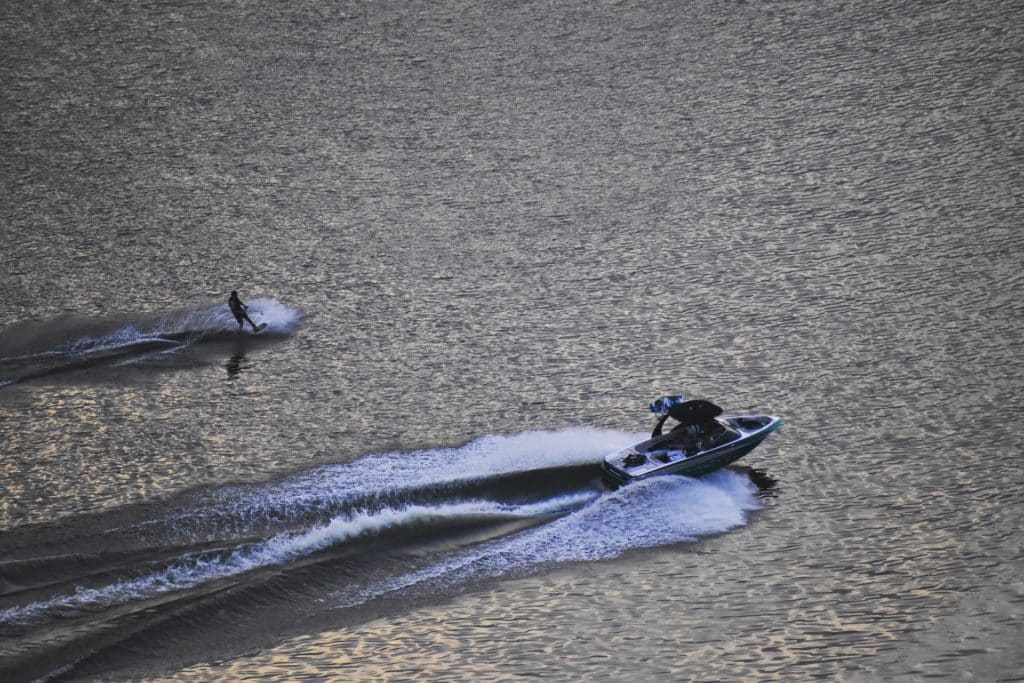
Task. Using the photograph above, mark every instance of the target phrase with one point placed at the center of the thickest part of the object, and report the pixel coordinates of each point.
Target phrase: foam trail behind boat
(203, 568)
(654, 512)
(390, 525)
(388, 478)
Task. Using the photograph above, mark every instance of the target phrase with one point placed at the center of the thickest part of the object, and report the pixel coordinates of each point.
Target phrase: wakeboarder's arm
(657, 427)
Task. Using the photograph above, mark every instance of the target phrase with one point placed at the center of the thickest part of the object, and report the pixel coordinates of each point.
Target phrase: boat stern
(614, 475)
(616, 466)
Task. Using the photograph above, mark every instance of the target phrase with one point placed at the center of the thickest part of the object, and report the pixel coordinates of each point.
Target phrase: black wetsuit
(238, 309)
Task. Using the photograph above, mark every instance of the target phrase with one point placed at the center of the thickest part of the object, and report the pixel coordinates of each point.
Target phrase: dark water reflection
(234, 365)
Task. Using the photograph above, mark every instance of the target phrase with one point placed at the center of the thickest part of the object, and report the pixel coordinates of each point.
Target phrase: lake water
(484, 236)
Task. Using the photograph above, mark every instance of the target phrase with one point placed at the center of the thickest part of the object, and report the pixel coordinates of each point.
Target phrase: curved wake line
(195, 570)
(338, 503)
(218, 319)
(655, 512)
(44, 347)
(392, 475)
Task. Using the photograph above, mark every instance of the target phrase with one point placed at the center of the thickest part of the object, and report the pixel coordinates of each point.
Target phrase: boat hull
(695, 466)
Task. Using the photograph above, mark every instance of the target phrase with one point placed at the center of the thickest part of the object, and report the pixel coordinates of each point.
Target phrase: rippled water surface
(484, 236)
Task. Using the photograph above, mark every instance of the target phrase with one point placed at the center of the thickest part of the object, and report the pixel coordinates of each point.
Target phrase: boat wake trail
(655, 512)
(323, 543)
(37, 349)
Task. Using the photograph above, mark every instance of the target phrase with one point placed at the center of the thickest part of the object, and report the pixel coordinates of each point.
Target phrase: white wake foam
(279, 549)
(174, 330)
(655, 512)
(391, 473)
(277, 316)
(592, 526)
(202, 321)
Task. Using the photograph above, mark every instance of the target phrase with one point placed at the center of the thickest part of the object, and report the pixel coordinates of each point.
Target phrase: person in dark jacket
(238, 309)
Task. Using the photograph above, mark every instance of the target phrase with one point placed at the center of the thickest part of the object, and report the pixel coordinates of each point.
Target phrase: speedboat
(705, 439)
